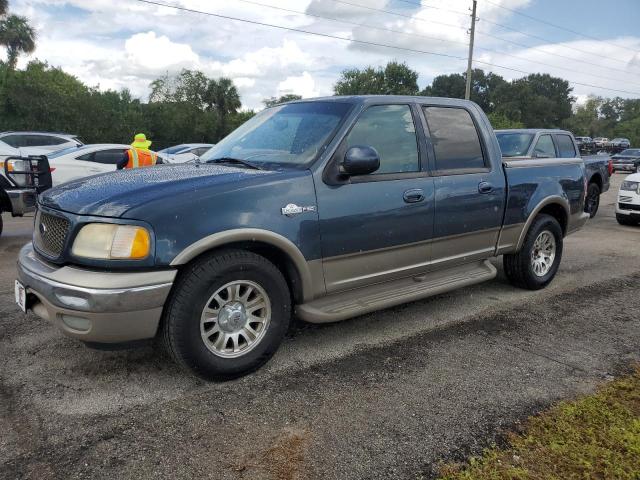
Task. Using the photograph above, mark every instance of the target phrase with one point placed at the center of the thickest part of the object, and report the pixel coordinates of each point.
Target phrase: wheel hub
(543, 253)
(232, 317)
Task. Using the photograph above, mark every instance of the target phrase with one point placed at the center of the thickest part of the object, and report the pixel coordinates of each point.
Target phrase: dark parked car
(542, 143)
(618, 145)
(329, 208)
(627, 161)
(586, 144)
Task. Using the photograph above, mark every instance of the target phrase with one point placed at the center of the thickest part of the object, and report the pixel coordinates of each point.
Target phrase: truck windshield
(514, 144)
(290, 134)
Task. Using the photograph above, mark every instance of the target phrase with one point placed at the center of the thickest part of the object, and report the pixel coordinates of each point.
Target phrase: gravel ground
(386, 395)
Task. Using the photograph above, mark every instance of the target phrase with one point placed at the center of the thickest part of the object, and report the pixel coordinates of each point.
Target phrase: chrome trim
(88, 298)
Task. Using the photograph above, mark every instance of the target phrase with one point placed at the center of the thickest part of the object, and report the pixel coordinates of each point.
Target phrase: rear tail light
(610, 167)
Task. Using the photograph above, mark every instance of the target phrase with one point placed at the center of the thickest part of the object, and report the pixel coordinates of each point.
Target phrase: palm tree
(18, 36)
(223, 97)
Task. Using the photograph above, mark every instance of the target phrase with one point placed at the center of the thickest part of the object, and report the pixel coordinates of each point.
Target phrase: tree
(483, 87)
(395, 79)
(270, 102)
(18, 36)
(4, 6)
(222, 97)
(537, 101)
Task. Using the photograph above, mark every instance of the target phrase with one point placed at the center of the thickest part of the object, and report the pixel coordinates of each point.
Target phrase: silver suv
(41, 140)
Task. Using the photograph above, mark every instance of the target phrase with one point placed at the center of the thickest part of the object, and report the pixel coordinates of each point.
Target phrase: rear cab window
(456, 142)
(544, 147)
(566, 149)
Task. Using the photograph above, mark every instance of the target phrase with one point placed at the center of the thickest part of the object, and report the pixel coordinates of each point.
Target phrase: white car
(83, 161)
(184, 153)
(628, 204)
(45, 141)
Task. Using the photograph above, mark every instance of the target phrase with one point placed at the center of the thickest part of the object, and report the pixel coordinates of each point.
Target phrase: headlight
(630, 186)
(107, 241)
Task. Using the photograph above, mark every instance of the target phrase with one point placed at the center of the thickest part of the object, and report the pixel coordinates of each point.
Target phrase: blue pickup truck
(553, 143)
(327, 209)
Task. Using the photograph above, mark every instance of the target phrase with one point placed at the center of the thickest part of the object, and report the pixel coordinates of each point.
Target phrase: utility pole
(467, 91)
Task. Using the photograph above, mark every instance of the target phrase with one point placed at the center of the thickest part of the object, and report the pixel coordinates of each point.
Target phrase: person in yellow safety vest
(139, 155)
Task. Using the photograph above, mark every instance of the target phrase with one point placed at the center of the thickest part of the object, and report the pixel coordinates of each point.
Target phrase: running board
(351, 303)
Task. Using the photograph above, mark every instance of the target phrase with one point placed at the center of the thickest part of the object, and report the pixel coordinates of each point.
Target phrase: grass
(595, 437)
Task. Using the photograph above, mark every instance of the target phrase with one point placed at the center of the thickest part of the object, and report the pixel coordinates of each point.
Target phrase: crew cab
(327, 209)
(552, 143)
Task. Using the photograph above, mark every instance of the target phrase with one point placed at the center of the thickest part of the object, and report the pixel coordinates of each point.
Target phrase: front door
(469, 191)
(377, 227)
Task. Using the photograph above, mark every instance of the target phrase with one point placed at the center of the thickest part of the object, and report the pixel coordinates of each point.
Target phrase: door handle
(414, 195)
(485, 187)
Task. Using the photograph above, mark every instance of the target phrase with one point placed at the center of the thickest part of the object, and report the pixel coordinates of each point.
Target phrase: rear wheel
(537, 262)
(227, 315)
(592, 202)
(626, 220)
(1, 224)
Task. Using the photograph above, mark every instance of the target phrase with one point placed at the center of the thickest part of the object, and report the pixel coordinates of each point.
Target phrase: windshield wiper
(237, 161)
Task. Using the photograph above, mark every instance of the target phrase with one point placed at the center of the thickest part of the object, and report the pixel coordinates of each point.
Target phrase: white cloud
(126, 44)
(148, 50)
(303, 85)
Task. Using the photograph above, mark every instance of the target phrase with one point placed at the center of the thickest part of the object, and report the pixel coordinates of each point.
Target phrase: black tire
(518, 266)
(1, 224)
(626, 220)
(192, 291)
(592, 202)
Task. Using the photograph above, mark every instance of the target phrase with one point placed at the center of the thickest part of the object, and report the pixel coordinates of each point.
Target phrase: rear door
(469, 190)
(378, 227)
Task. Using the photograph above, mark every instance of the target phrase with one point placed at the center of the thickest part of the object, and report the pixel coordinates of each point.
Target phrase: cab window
(544, 147)
(565, 146)
(455, 140)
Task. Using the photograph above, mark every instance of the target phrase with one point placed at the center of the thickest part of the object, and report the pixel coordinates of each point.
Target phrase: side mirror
(360, 160)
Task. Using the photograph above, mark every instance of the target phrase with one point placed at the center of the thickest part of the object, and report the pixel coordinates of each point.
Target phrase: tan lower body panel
(359, 301)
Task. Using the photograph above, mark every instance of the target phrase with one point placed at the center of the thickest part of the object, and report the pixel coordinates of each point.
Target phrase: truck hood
(112, 194)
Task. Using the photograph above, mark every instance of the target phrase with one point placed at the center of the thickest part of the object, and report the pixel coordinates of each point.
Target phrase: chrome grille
(625, 199)
(50, 234)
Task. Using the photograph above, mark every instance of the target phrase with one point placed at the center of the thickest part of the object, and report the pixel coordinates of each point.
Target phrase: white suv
(628, 205)
(41, 140)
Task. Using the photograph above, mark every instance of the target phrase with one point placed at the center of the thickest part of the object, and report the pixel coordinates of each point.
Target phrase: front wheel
(592, 201)
(537, 262)
(227, 314)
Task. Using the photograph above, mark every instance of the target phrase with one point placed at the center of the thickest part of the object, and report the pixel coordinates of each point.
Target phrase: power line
(325, 35)
(507, 27)
(545, 22)
(416, 35)
(566, 57)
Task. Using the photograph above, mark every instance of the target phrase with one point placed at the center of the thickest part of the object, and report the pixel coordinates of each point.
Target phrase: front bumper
(23, 200)
(95, 306)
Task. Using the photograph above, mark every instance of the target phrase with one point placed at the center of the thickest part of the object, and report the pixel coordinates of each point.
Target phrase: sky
(116, 44)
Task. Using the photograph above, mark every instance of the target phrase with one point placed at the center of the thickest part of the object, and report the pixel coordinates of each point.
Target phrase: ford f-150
(327, 209)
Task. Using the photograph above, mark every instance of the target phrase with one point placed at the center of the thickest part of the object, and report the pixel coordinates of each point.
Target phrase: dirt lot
(387, 395)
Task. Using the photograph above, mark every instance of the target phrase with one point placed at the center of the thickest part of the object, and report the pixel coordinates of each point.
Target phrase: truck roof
(533, 130)
(367, 99)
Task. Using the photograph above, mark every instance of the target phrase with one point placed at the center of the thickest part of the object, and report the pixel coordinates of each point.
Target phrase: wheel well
(276, 256)
(597, 180)
(558, 212)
